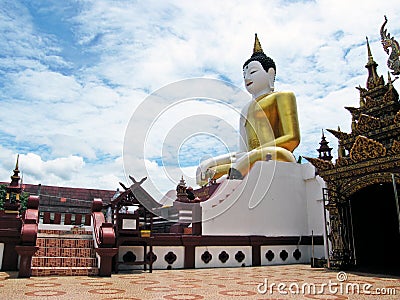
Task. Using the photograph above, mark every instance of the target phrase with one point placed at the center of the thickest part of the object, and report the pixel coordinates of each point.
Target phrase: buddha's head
(259, 72)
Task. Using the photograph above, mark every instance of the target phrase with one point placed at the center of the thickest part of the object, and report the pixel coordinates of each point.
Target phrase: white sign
(129, 224)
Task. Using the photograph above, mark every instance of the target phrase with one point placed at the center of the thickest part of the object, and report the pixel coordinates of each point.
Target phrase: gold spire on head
(257, 46)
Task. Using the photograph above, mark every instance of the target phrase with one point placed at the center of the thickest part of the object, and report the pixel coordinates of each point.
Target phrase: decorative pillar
(25, 263)
(106, 255)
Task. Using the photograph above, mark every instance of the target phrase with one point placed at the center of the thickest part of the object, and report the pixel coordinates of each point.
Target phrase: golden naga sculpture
(389, 42)
(269, 125)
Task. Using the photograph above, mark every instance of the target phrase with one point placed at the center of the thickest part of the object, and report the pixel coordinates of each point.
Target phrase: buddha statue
(269, 125)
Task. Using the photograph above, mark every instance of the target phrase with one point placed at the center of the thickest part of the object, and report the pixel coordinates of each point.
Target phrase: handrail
(103, 232)
(30, 221)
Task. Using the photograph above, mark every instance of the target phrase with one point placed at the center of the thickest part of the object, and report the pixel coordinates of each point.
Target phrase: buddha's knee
(284, 155)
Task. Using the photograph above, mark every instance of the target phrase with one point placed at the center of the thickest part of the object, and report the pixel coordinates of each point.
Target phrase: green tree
(3, 192)
(23, 198)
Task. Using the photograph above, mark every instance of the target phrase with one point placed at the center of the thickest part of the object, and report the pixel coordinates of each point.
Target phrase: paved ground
(233, 283)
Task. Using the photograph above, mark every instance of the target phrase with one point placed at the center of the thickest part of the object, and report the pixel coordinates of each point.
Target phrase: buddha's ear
(271, 75)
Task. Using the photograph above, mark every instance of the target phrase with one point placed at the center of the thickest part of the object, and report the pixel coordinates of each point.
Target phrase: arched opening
(376, 229)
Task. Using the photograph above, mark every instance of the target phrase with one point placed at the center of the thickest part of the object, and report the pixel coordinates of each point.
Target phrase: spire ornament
(15, 177)
(181, 194)
(373, 79)
(324, 150)
(259, 55)
(370, 57)
(257, 45)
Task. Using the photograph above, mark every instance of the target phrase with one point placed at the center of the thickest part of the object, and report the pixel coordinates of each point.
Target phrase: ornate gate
(339, 229)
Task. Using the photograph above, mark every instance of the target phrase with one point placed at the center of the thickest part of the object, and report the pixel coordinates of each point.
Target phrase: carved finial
(389, 42)
(341, 151)
(362, 101)
(324, 150)
(390, 81)
(373, 79)
(181, 191)
(257, 46)
(370, 58)
(15, 177)
(182, 182)
(16, 164)
(369, 50)
(385, 36)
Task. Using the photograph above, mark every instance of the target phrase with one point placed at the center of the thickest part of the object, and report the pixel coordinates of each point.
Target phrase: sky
(92, 91)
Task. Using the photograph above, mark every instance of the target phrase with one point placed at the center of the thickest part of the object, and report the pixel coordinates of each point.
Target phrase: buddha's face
(257, 80)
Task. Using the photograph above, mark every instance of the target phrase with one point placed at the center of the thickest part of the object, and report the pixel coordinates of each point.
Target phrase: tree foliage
(23, 201)
(3, 192)
(23, 198)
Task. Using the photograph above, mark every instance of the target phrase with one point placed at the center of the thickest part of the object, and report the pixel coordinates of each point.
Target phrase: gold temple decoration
(365, 148)
(373, 79)
(389, 42)
(339, 134)
(320, 164)
(375, 124)
(367, 123)
(257, 45)
(395, 149)
(391, 94)
(397, 118)
(368, 154)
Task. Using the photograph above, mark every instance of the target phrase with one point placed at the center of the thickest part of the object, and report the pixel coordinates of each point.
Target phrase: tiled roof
(78, 200)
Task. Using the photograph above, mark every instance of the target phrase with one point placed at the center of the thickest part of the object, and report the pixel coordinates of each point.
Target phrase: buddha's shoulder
(288, 95)
(284, 94)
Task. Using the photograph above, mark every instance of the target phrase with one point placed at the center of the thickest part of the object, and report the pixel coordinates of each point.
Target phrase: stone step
(66, 235)
(78, 231)
(41, 262)
(65, 252)
(64, 271)
(64, 243)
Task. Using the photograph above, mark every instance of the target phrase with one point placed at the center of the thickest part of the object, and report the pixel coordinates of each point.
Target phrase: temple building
(362, 185)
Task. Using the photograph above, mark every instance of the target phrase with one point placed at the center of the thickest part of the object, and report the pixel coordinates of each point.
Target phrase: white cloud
(62, 167)
(46, 86)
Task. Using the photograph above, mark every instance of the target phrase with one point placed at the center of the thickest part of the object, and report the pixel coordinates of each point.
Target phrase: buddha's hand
(203, 175)
(209, 167)
(207, 164)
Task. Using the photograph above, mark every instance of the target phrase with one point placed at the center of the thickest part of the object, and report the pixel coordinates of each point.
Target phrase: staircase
(64, 253)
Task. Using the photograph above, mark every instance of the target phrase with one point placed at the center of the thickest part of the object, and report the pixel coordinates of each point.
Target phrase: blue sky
(73, 73)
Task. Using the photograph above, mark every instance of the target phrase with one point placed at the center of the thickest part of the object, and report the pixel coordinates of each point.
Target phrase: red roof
(75, 198)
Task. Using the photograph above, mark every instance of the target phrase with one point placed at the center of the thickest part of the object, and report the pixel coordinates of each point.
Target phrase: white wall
(305, 257)
(275, 199)
(159, 251)
(1, 254)
(215, 262)
(315, 206)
